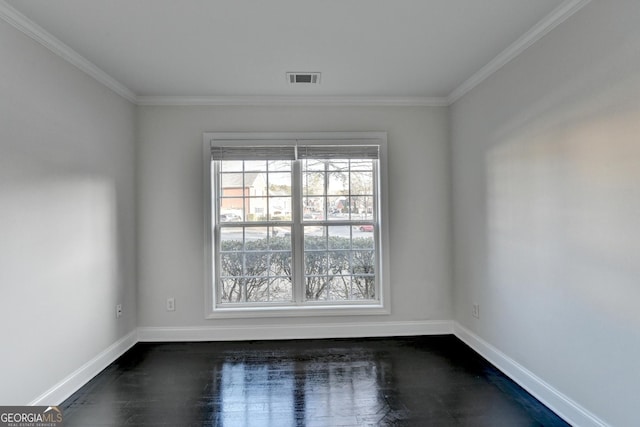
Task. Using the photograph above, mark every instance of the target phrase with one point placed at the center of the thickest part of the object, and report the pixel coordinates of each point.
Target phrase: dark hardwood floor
(408, 381)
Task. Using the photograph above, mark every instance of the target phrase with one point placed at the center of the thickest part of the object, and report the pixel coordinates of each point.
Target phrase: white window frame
(379, 307)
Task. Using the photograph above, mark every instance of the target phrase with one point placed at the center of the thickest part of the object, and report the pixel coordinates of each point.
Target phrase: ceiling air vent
(303, 78)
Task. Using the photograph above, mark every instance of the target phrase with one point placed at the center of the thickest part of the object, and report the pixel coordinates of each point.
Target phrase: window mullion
(298, 237)
(376, 217)
(215, 225)
(325, 227)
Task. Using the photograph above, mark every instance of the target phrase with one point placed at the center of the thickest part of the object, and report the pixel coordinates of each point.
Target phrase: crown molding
(555, 18)
(294, 101)
(39, 34)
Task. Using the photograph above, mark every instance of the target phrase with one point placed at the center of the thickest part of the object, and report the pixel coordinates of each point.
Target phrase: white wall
(546, 188)
(171, 199)
(67, 218)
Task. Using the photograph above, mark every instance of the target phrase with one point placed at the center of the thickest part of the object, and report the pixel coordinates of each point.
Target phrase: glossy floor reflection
(414, 381)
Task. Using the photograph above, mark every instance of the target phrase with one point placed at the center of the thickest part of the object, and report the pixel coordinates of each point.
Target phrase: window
(295, 224)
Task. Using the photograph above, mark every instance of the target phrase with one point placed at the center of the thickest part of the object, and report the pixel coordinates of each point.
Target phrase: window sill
(298, 311)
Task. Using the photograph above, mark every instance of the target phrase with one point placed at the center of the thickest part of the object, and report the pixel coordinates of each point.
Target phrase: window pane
(313, 184)
(256, 268)
(255, 165)
(256, 263)
(256, 208)
(338, 183)
(314, 238)
(361, 183)
(363, 287)
(354, 208)
(279, 165)
(316, 288)
(255, 184)
(232, 184)
(338, 165)
(361, 165)
(313, 165)
(280, 238)
(280, 264)
(231, 165)
(363, 241)
(313, 208)
(339, 237)
(231, 209)
(231, 264)
(279, 184)
(231, 290)
(231, 239)
(362, 207)
(257, 289)
(315, 263)
(363, 262)
(338, 262)
(339, 288)
(338, 207)
(280, 208)
(255, 238)
(333, 212)
(281, 289)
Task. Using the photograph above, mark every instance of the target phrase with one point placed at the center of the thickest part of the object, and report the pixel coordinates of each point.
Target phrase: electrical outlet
(476, 310)
(171, 304)
(118, 311)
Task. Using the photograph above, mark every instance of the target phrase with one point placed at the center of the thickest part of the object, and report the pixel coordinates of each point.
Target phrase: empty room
(329, 213)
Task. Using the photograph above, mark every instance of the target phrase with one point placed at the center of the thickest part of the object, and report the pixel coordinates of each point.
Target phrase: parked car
(318, 216)
(228, 217)
(366, 228)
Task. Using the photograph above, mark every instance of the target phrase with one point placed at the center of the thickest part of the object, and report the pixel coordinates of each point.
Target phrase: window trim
(381, 307)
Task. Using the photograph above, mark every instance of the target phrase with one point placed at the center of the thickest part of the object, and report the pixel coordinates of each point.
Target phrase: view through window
(295, 224)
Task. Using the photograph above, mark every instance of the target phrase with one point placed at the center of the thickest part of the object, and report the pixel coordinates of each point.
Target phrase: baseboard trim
(562, 405)
(310, 331)
(69, 385)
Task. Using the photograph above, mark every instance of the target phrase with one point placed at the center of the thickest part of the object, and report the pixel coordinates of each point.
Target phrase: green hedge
(324, 258)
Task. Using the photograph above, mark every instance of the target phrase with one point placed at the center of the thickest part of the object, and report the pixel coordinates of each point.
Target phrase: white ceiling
(431, 49)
